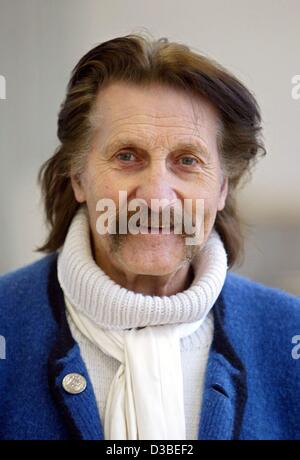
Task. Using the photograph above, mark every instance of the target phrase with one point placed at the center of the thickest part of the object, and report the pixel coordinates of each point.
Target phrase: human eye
(188, 160)
(126, 156)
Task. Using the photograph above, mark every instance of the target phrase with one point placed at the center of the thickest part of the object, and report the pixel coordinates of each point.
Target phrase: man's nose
(157, 182)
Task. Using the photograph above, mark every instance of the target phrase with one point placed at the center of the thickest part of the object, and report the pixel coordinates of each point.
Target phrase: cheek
(211, 199)
(211, 190)
(209, 219)
(97, 187)
(210, 196)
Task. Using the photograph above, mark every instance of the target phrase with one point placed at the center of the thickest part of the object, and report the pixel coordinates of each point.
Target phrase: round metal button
(74, 383)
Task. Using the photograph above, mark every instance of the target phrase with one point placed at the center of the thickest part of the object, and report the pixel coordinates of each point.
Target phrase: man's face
(152, 142)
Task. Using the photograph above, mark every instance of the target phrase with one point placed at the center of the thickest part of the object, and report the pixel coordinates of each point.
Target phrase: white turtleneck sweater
(111, 306)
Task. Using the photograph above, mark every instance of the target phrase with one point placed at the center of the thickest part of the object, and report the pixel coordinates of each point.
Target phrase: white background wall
(259, 40)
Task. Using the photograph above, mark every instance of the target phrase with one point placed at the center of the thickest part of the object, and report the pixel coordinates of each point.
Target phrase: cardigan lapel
(80, 410)
(225, 390)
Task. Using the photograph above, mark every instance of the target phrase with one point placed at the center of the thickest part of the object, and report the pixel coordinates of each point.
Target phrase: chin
(152, 256)
(152, 266)
(156, 270)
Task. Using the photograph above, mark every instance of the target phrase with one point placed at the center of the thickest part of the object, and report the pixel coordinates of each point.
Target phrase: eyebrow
(196, 146)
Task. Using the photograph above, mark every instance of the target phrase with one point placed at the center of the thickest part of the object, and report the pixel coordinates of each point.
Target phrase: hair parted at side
(141, 60)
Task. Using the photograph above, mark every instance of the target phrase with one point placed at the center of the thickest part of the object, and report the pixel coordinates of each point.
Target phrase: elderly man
(133, 328)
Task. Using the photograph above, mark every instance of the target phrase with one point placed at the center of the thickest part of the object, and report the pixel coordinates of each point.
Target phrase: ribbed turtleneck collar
(112, 306)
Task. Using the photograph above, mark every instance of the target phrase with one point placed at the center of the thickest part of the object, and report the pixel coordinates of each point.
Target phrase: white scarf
(145, 400)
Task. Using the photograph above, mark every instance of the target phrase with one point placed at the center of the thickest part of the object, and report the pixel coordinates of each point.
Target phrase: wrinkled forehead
(156, 107)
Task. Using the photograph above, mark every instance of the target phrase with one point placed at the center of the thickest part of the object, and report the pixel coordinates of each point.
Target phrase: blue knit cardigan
(252, 382)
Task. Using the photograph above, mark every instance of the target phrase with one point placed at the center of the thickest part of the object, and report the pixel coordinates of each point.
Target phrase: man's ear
(78, 188)
(223, 193)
